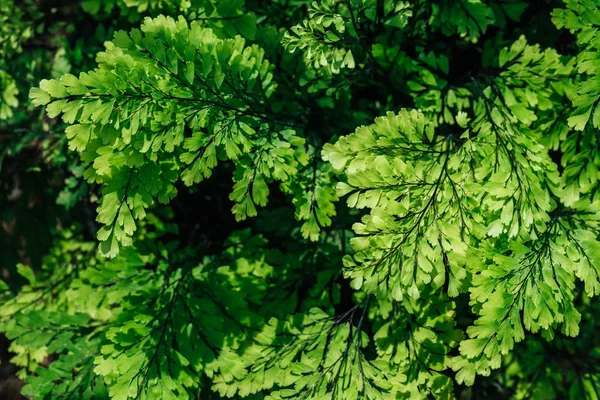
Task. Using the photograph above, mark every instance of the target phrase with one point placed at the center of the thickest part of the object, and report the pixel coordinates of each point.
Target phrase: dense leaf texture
(133, 112)
(414, 210)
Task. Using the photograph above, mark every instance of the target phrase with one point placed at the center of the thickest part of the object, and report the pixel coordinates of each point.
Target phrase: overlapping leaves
(531, 287)
(313, 356)
(165, 103)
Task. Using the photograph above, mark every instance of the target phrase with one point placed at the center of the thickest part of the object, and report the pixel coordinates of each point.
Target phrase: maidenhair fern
(329, 199)
(130, 115)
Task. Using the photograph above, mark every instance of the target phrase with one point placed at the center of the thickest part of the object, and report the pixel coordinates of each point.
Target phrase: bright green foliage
(328, 199)
(531, 79)
(579, 149)
(131, 122)
(321, 37)
(583, 17)
(421, 193)
(414, 234)
(529, 287)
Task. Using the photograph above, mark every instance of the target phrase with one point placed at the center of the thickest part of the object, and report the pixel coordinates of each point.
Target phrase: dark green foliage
(287, 199)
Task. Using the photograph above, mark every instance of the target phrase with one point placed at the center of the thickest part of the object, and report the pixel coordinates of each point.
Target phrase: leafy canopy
(329, 199)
